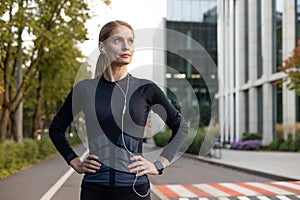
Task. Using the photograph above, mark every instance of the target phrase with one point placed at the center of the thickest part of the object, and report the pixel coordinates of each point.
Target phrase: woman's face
(119, 46)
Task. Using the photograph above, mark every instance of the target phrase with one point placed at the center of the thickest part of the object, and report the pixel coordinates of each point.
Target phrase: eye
(118, 40)
(130, 41)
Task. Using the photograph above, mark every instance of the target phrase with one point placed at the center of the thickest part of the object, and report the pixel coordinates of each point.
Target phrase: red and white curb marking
(223, 190)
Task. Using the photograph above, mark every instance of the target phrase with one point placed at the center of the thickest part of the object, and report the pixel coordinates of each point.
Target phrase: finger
(136, 158)
(137, 163)
(142, 173)
(84, 169)
(95, 163)
(90, 164)
(93, 157)
(137, 169)
(88, 170)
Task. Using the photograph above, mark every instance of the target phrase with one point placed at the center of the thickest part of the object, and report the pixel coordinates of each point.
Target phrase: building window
(260, 110)
(278, 104)
(246, 42)
(259, 42)
(278, 33)
(234, 117)
(298, 20)
(277, 110)
(247, 111)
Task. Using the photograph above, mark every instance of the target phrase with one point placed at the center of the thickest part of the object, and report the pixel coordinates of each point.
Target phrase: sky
(140, 14)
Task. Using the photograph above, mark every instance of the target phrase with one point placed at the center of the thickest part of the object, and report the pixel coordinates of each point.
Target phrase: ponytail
(102, 63)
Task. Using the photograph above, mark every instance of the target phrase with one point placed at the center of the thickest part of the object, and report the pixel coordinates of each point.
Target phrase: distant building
(254, 39)
(197, 21)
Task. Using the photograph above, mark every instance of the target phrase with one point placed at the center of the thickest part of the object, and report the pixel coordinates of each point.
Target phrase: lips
(125, 55)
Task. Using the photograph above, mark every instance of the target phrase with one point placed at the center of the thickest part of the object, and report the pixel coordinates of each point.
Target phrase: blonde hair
(103, 60)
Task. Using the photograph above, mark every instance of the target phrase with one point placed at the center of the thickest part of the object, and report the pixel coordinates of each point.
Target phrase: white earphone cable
(122, 134)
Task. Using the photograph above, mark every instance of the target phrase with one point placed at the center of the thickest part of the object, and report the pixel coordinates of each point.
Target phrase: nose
(125, 46)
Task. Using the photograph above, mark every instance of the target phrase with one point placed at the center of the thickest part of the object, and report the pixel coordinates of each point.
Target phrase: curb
(247, 170)
(157, 193)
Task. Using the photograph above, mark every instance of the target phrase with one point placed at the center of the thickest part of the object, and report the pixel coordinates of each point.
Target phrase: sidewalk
(277, 165)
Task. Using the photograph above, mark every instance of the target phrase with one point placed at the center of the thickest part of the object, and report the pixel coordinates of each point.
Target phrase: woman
(116, 106)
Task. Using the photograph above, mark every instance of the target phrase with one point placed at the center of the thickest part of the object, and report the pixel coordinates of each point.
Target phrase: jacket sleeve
(58, 127)
(173, 119)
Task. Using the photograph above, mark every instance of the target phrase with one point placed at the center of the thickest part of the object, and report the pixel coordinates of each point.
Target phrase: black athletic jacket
(101, 103)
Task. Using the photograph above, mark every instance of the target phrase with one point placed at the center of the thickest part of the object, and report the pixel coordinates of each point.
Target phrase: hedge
(15, 156)
(290, 144)
(161, 139)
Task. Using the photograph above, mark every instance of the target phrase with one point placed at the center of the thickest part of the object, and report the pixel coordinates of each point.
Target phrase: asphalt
(271, 164)
(281, 166)
(276, 165)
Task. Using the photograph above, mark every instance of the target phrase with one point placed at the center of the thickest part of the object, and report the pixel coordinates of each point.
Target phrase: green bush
(74, 140)
(295, 146)
(286, 145)
(290, 144)
(15, 156)
(161, 139)
(251, 136)
(194, 148)
(31, 151)
(46, 147)
(12, 157)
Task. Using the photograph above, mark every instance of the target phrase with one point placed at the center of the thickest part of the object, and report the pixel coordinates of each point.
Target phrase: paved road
(191, 171)
(32, 183)
(192, 179)
(182, 180)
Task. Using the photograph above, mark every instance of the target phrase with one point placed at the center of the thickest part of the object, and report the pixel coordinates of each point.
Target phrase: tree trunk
(47, 117)
(4, 123)
(39, 98)
(18, 117)
(13, 122)
(6, 107)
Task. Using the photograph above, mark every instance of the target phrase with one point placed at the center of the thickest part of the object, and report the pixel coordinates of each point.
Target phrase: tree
(42, 30)
(292, 69)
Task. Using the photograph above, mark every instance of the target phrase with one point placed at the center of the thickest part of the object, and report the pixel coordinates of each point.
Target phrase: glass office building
(255, 37)
(197, 21)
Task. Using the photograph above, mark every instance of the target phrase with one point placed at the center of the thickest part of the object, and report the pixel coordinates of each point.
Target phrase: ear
(101, 45)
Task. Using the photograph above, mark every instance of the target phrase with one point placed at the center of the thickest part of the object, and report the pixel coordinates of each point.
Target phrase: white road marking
(243, 198)
(270, 188)
(263, 198)
(181, 191)
(212, 190)
(287, 184)
(240, 189)
(283, 197)
(55, 187)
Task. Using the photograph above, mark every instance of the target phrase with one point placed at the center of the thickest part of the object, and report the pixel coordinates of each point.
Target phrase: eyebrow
(118, 36)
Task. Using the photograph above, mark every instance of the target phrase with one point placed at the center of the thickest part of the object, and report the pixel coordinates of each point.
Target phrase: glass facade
(246, 42)
(192, 10)
(278, 61)
(196, 19)
(278, 34)
(247, 111)
(278, 105)
(259, 38)
(260, 109)
(298, 19)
